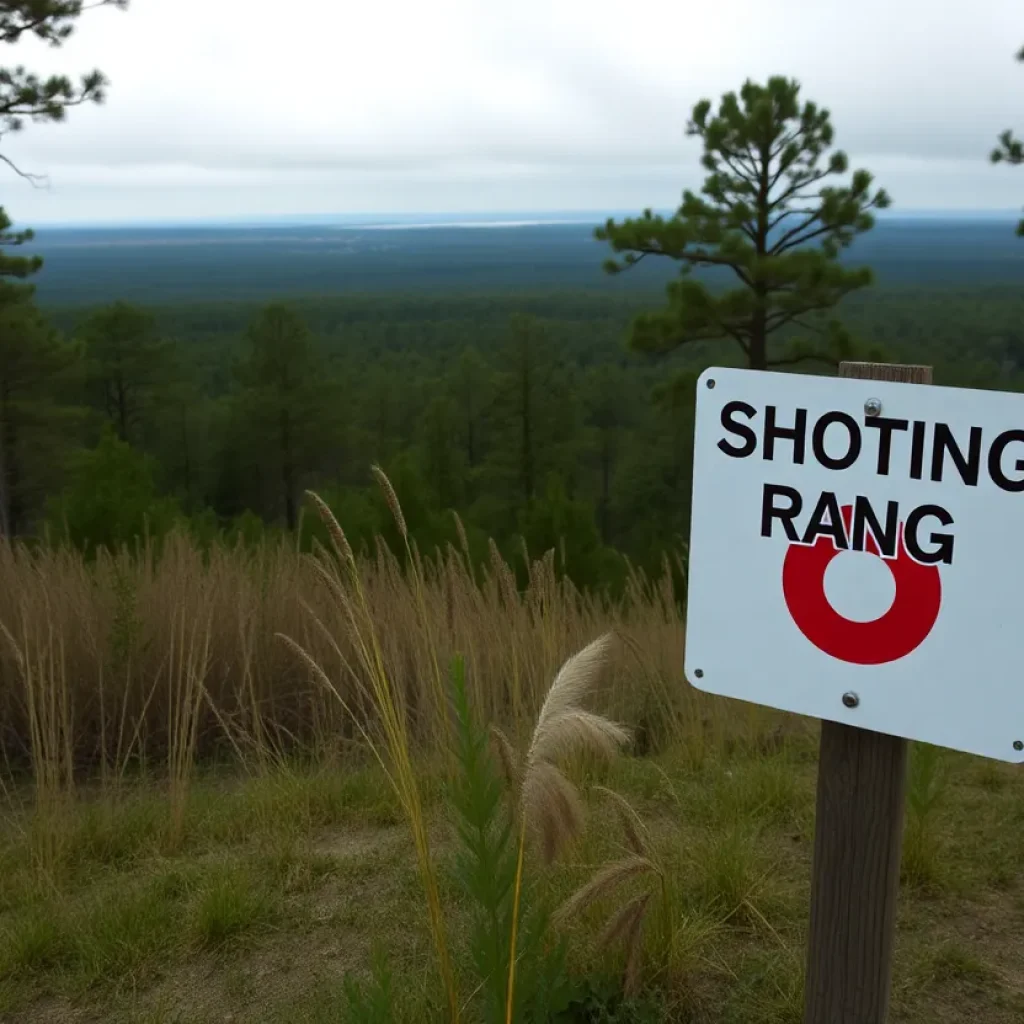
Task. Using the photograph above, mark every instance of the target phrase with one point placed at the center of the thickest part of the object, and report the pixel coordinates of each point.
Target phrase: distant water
(473, 224)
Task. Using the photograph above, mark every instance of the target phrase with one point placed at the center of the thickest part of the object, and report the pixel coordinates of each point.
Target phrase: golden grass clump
(90, 642)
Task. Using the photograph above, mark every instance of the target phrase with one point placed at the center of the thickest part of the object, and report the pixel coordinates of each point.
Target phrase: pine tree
(1011, 149)
(15, 269)
(24, 96)
(470, 388)
(36, 423)
(605, 413)
(127, 362)
(520, 415)
(443, 458)
(284, 403)
(765, 214)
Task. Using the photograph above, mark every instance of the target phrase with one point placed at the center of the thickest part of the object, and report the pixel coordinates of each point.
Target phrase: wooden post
(858, 840)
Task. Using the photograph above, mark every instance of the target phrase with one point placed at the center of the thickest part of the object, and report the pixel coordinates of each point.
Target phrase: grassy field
(197, 827)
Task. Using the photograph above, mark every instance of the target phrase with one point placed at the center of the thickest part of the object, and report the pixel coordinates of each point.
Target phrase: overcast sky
(248, 108)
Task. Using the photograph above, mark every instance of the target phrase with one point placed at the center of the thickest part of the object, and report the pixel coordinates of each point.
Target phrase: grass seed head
(392, 499)
(338, 538)
(610, 877)
(550, 803)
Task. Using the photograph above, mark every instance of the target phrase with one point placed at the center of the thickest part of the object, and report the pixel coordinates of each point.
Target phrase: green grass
(283, 883)
(228, 904)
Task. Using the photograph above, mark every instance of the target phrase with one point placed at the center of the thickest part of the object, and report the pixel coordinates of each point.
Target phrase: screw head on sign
(711, 382)
(872, 407)
(1018, 744)
(699, 673)
(850, 699)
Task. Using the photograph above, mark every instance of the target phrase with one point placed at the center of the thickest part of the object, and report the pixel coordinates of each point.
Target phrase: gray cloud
(503, 104)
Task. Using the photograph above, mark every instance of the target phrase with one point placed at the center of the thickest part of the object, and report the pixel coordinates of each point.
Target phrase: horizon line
(455, 218)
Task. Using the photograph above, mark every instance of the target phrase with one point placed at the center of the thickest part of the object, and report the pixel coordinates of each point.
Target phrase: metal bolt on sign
(872, 407)
(850, 699)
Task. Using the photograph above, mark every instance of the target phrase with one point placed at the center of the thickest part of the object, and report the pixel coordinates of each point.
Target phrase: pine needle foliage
(765, 215)
(28, 97)
(485, 861)
(1010, 149)
(24, 95)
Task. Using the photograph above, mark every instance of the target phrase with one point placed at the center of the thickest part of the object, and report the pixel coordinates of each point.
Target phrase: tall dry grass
(158, 661)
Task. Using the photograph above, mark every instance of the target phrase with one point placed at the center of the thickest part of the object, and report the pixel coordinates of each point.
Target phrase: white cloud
(259, 107)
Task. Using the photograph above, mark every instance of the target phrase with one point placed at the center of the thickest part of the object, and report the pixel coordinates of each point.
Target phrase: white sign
(857, 554)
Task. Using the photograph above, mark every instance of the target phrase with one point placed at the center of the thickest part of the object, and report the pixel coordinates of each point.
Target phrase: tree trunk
(471, 440)
(288, 473)
(758, 356)
(527, 468)
(14, 518)
(5, 488)
(605, 511)
(187, 456)
(122, 409)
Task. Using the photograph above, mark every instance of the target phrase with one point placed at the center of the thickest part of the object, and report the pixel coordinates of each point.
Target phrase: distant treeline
(524, 412)
(165, 265)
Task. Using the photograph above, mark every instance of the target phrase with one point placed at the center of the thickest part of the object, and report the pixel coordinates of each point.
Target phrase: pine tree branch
(750, 232)
(776, 320)
(796, 212)
(803, 357)
(783, 166)
(698, 258)
(792, 192)
(35, 180)
(731, 158)
(740, 337)
(786, 141)
(783, 318)
(632, 263)
(41, 106)
(52, 23)
(793, 239)
(810, 327)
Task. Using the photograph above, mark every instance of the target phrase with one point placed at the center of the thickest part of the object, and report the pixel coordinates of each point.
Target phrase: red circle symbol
(894, 635)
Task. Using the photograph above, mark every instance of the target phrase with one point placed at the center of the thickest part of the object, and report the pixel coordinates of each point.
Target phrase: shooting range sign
(857, 554)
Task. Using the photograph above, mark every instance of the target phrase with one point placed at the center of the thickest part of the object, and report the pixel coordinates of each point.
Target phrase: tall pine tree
(127, 363)
(1011, 149)
(285, 406)
(27, 97)
(37, 423)
(767, 216)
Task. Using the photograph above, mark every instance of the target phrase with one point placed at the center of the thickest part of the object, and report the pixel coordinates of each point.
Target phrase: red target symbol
(894, 635)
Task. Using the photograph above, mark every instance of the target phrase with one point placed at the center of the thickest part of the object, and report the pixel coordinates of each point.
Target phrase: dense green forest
(523, 410)
(203, 378)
